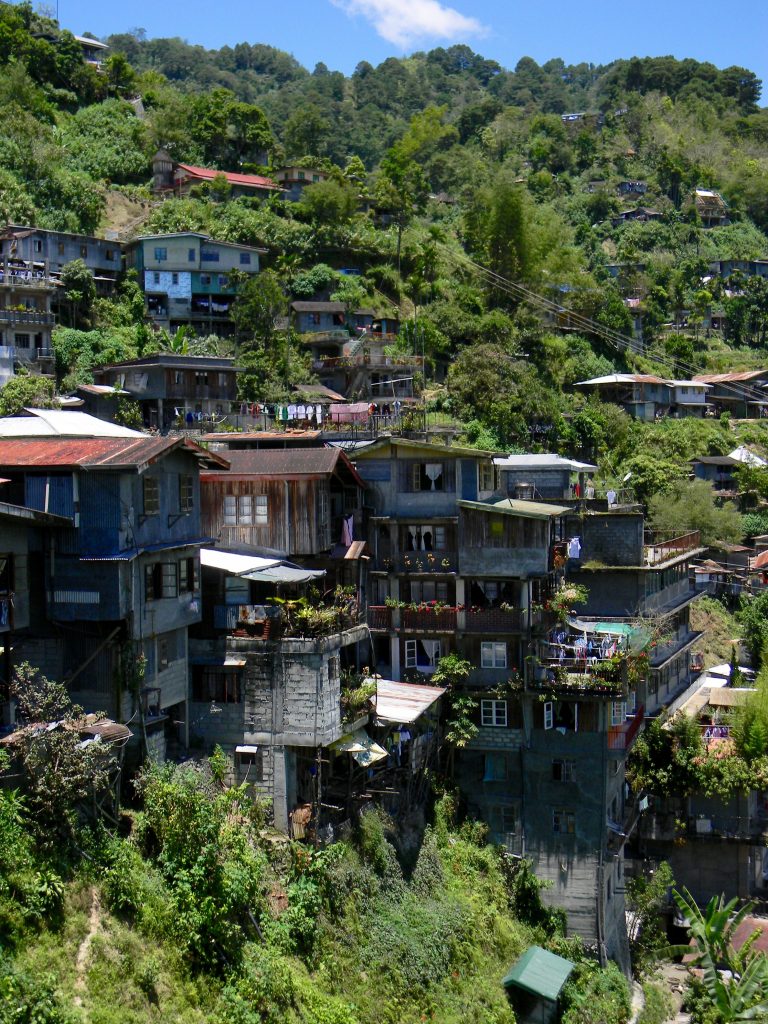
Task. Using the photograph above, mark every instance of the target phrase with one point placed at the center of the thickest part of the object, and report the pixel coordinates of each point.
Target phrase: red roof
(208, 174)
(95, 452)
(761, 562)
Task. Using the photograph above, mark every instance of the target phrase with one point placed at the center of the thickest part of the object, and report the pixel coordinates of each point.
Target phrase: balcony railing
(266, 622)
(379, 617)
(620, 737)
(374, 362)
(441, 620)
(28, 317)
(578, 675)
(494, 620)
(660, 549)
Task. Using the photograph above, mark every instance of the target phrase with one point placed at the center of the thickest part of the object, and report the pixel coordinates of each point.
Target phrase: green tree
(260, 301)
(79, 293)
(328, 202)
(24, 391)
(690, 505)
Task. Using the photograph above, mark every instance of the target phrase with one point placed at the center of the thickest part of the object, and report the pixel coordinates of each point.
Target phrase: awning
(285, 573)
(403, 703)
(246, 748)
(360, 745)
(234, 564)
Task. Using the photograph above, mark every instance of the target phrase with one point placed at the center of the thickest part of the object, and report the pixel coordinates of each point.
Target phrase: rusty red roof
(208, 174)
(730, 378)
(285, 462)
(96, 452)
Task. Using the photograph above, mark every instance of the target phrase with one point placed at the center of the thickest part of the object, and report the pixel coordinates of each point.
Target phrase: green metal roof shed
(540, 973)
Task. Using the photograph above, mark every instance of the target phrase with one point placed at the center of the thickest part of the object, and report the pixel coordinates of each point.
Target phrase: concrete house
(184, 277)
(646, 397)
(328, 318)
(27, 320)
(547, 476)
(171, 388)
(741, 393)
(711, 207)
(102, 256)
(121, 579)
(293, 180)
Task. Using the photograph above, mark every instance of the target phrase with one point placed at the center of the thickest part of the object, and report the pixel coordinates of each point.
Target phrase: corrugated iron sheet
(403, 703)
(96, 452)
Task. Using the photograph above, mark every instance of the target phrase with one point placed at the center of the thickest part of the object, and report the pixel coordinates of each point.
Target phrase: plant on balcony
(357, 689)
(563, 600)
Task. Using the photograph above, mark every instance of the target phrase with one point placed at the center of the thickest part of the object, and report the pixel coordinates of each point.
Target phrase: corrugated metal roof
(729, 378)
(542, 461)
(540, 972)
(518, 507)
(233, 563)
(284, 573)
(403, 703)
(95, 453)
(285, 462)
(287, 436)
(326, 307)
(208, 174)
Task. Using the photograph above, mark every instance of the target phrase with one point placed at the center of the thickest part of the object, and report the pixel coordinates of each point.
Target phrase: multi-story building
(170, 389)
(295, 179)
(185, 278)
(121, 578)
(102, 256)
(172, 178)
(26, 317)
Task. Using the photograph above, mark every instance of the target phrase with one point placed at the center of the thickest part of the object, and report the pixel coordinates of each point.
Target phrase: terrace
(660, 547)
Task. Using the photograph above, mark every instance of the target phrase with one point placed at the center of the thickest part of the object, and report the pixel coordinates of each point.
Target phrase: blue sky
(343, 32)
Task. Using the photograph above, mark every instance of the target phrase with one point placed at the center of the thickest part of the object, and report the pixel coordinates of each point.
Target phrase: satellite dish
(626, 477)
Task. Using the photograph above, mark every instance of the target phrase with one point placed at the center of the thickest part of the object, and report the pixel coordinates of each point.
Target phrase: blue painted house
(118, 586)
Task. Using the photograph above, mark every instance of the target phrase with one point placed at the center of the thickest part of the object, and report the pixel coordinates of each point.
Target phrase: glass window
(496, 767)
(262, 509)
(564, 822)
(215, 684)
(205, 280)
(191, 255)
(151, 496)
(169, 579)
(410, 654)
(189, 580)
(155, 277)
(618, 712)
(493, 713)
(563, 771)
(174, 278)
(486, 476)
(245, 510)
(22, 340)
(230, 510)
(245, 259)
(161, 254)
(207, 256)
(549, 715)
(493, 654)
(163, 660)
(186, 493)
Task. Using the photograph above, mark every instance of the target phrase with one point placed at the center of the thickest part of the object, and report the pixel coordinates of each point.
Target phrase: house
(185, 278)
(329, 319)
(711, 208)
(365, 368)
(55, 249)
(639, 213)
(643, 396)
(718, 471)
(26, 317)
(543, 476)
(293, 181)
(116, 578)
(61, 423)
(632, 189)
(534, 985)
(168, 176)
(304, 504)
(689, 398)
(173, 389)
(741, 393)
(94, 51)
(267, 685)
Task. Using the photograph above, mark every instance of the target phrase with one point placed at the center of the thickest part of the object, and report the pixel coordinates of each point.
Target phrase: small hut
(534, 985)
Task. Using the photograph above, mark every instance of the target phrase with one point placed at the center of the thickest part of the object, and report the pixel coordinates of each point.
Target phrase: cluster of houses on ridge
(244, 589)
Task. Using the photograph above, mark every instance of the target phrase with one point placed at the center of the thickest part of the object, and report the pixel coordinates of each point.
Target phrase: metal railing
(660, 549)
(620, 737)
(27, 317)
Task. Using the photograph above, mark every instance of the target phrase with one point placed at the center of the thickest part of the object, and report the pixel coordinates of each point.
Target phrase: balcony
(379, 617)
(621, 737)
(658, 548)
(427, 620)
(373, 362)
(578, 675)
(266, 622)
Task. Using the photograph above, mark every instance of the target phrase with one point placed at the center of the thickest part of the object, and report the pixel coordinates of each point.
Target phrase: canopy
(403, 703)
(255, 567)
(283, 573)
(360, 745)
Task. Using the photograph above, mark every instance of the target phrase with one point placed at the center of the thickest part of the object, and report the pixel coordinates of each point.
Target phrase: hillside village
(383, 525)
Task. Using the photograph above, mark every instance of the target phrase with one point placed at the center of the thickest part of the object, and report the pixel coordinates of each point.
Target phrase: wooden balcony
(442, 620)
(494, 620)
(379, 617)
(621, 737)
(427, 562)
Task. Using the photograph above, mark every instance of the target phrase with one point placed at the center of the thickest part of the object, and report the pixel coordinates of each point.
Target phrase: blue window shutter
(468, 480)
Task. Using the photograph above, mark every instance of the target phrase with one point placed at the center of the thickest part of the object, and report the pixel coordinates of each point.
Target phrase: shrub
(658, 1004)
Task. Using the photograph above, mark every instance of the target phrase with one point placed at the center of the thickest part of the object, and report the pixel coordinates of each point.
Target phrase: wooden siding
(292, 526)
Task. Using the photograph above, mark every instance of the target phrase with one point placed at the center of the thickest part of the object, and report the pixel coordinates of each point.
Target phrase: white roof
(690, 384)
(623, 378)
(403, 703)
(743, 454)
(236, 565)
(62, 423)
(544, 460)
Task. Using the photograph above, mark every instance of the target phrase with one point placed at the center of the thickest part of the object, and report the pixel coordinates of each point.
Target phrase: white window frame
(410, 654)
(493, 714)
(486, 471)
(549, 715)
(261, 510)
(618, 712)
(493, 654)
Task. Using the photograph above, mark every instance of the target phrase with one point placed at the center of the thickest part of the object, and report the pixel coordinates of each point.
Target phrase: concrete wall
(612, 538)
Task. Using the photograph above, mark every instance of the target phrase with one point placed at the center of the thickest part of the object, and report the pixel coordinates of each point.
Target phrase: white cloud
(402, 22)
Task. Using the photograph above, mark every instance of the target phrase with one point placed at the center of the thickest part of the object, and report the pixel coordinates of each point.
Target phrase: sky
(341, 33)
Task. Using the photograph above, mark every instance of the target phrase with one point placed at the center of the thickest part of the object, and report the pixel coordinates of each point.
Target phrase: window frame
(498, 654)
(186, 493)
(494, 714)
(563, 822)
(161, 254)
(549, 714)
(151, 503)
(563, 770)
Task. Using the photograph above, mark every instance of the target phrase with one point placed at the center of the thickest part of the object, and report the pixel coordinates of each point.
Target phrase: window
(496, 767)
(206, 256)
(61, 249)
(205, 280)
(618, 712)
(563, 771)
(222, 280)
(251, 764)
(201, 379)
(163, 660)
(493, 655)
(21, 340)
(155, 277)
(301, 175)
(84, 251)
(493, 713)
(215, 684)
(427, 476)
(425, 537)
(422, 654)
(174, 278)
(161, 254)
(486, 476)
(38, 244)
(245, 259)
(191, 255)
(549, 715)
(160, 580)
(109, 254)
(186, 493)
(564, 822)
(151, 496)
(261, 510)
(238, 509)
(189, 580)
(315, 177)
(314, 318)
(428, 590)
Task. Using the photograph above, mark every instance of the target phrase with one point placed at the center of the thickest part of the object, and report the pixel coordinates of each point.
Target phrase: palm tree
(735, 981)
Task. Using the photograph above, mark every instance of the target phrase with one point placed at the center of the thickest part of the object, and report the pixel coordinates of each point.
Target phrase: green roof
(518, 507)
(540, 972)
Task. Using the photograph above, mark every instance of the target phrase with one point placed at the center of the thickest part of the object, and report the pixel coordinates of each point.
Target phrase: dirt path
(94, 924)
